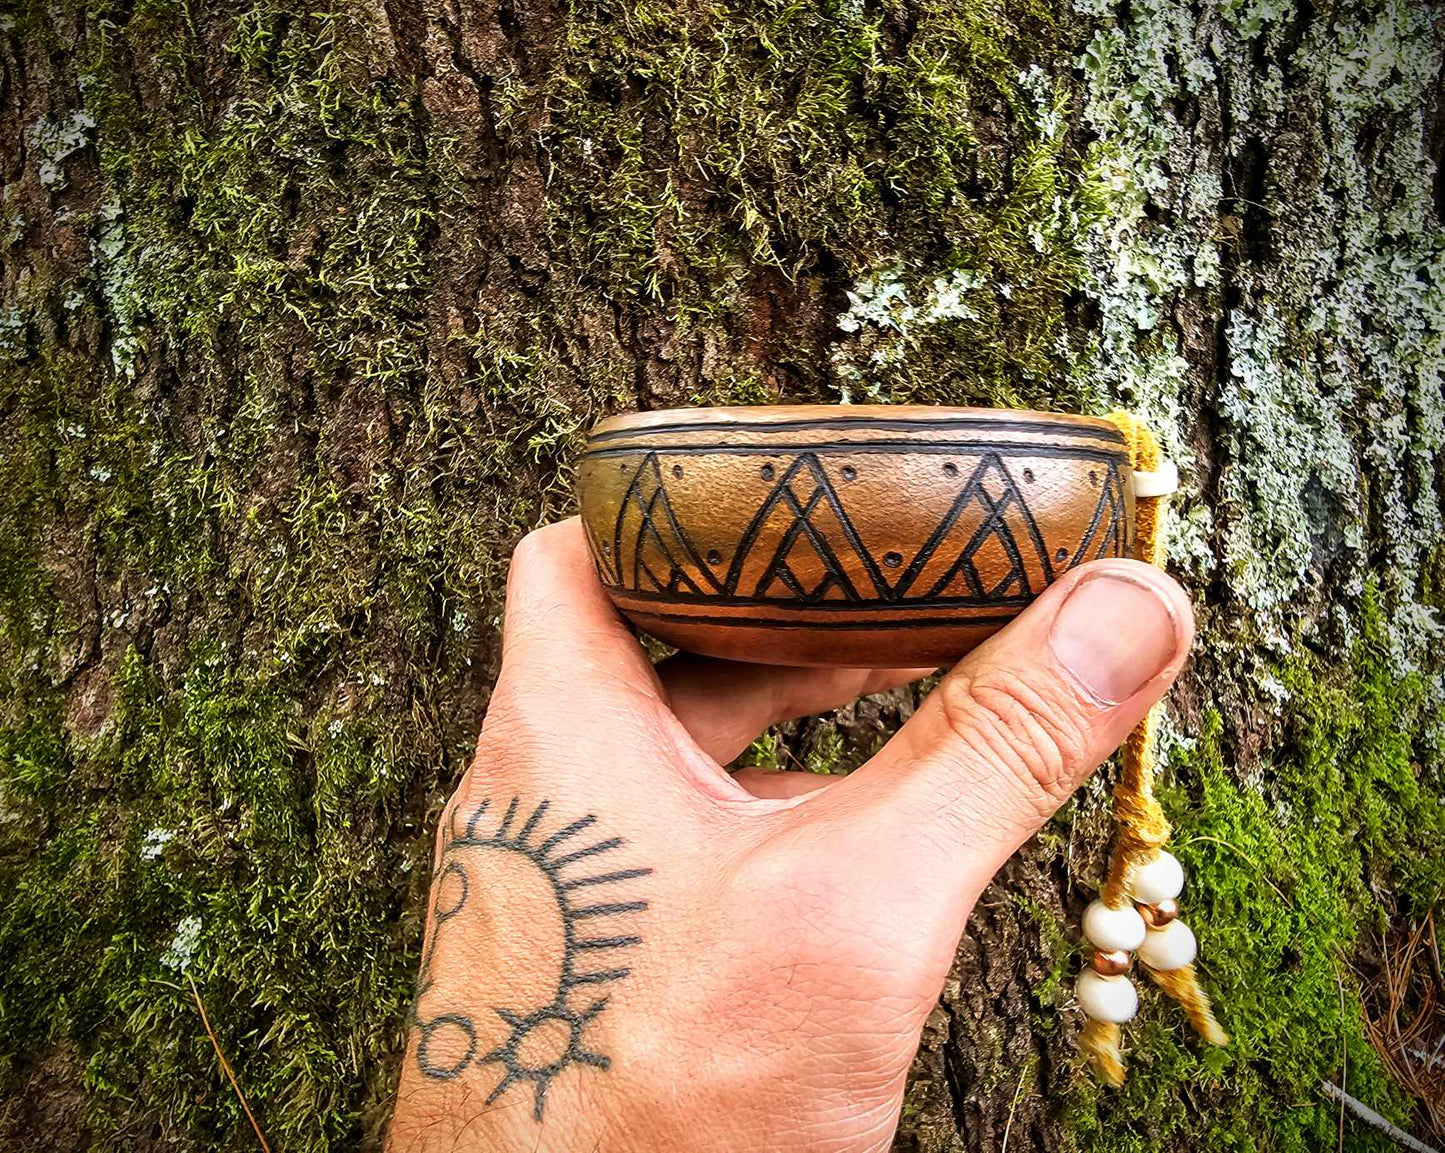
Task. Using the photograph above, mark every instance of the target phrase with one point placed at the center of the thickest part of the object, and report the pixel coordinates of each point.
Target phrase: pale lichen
(1333, 345)
(54, 140)
(183, 946)
(885, 302)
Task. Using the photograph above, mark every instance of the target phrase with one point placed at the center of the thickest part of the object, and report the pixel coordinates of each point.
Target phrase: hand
(629, 949)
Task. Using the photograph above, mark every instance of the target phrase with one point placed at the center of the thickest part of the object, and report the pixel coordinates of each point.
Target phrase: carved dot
(1029, 476)
(713, 556)
(1093, 478)
(622, 466)
(1061, 556)
(767, 472)
(677, 471)
(849, 472)
(606, 550)
(950, 469)
(893, 559)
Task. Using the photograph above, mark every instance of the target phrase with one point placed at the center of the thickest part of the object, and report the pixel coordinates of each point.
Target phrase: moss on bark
(302, 315)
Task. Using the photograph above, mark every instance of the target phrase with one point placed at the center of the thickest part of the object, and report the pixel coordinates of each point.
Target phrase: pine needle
(225, 1065)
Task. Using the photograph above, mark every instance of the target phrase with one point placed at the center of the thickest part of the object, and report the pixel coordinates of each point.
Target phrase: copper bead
(1158, 915)
(1112, 962)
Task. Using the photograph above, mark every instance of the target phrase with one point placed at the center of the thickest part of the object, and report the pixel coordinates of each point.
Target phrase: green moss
(824, 749)
(225, 809)
(248, 804)
(798, 138)
(763, 753)
(1061, 954)
(1343, 835)
(982, 321)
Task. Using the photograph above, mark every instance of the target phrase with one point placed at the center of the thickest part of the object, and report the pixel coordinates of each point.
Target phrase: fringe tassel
(1183, 986)
(1099, 1042)
(1142, 827)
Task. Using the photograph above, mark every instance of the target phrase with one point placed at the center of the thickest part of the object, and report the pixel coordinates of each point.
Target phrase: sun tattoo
(448, 1044)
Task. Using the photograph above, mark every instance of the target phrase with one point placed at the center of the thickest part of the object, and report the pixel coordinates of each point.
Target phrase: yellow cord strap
(1183, 985)
(1142, 827)
(1099, 1042)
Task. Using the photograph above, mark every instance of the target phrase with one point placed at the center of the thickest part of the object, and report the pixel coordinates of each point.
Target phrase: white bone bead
(1110, 929)
(1106, 998)
(1171, 946)
(1162, 879)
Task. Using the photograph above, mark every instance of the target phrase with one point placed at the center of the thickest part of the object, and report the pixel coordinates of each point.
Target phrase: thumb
(1015, 728)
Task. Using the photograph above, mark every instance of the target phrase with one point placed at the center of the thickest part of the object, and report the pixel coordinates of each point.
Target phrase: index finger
(559, 630)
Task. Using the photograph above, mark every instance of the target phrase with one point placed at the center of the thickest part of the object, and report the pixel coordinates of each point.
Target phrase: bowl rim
(782, 416)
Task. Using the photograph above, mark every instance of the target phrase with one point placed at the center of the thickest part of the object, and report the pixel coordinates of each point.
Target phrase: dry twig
(1370, 1117)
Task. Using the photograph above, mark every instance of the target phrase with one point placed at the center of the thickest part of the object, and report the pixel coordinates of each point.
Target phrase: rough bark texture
(303, 312)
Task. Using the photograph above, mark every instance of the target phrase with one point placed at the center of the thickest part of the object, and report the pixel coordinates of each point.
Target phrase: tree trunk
(305, 314)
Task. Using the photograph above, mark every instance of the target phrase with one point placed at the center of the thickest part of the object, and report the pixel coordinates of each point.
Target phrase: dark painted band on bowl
(902, 424)
(887, 624)
(971, 447)
(720, 600)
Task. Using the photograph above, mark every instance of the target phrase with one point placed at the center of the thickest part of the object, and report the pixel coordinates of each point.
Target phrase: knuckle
(531, 546)
(504, 716)
(530, 556)
(544, 546)
(1034, 731)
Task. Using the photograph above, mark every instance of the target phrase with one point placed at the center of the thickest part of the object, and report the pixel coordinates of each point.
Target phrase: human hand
(630, 949)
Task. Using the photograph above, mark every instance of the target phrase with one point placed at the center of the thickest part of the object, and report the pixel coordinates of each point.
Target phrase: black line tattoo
(601, 847)
(455, 1032)
(606, 878)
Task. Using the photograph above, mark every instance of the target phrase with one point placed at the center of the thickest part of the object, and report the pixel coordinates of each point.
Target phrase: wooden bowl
(852, 535)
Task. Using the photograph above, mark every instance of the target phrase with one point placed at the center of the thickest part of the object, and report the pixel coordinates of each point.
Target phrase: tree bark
(303, 315)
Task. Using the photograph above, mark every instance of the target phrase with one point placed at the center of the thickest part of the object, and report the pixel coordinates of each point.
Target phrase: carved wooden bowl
(872, 536)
